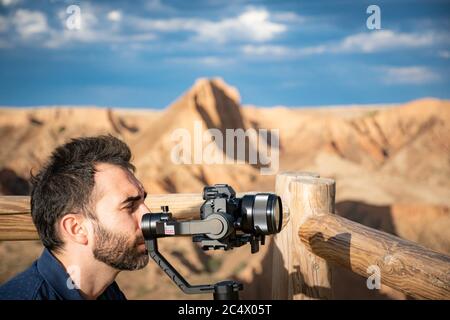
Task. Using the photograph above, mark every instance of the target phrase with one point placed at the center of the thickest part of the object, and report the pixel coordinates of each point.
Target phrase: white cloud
(288, 17)
(158, 6)
(139, 37)
(383, 40)
(7, 3)
(213, 61)
(208, 61)
(32, 28)
(281, 51)
(444, 54)
(167, 25)
(68, 37)
(94, 29)
(408, 75)
(29, 23)
(267, 50)
(252, 25)
(115, 16)
(370, 42)
(3, 24)
(89, 30)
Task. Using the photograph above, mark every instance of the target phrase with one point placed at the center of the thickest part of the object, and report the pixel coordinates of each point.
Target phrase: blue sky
(294, 53)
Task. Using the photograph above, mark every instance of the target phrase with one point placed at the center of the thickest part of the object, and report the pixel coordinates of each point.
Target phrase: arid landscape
(391, 165)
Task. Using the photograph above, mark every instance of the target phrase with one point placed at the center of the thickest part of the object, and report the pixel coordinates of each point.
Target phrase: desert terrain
(391, 164)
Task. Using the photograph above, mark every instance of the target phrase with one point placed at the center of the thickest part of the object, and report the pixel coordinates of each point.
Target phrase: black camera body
(249, 219)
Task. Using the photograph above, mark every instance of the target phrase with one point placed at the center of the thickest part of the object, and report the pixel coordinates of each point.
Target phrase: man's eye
(130, 208)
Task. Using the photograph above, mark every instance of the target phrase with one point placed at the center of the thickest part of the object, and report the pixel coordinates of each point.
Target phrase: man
(87, 206)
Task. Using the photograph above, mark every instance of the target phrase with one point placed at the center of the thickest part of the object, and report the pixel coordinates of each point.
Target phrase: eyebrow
(134, 198)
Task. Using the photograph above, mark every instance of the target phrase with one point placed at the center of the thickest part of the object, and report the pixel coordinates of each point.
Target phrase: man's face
(118, 240)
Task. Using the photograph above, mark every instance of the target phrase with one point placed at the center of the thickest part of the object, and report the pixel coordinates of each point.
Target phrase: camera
(225, 220)
(246, 219)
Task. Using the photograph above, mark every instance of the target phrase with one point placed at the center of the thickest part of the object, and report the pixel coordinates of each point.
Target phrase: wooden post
(403, 265)
(296, 272)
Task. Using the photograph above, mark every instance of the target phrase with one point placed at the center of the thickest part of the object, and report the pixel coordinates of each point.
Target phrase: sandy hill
(391, 165)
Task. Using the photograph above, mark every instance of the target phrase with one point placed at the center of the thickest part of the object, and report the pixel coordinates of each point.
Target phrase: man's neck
(91, 276)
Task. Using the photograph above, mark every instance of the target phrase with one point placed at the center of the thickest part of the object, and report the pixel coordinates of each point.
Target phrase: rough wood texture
(16, 223)
(17, 227)
(297, 273)
(419, 272)
(14, 204)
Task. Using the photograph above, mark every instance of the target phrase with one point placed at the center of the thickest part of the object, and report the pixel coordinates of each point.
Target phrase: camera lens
(261, 213)
(278, 217)
(274, 213)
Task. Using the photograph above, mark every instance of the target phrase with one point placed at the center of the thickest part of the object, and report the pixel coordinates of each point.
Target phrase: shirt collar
(56, 276)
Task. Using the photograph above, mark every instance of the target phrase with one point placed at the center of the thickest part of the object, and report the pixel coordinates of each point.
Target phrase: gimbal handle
(152, 248)
(225, 290)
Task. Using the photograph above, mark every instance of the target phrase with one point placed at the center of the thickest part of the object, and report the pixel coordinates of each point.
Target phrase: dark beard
(115, 250)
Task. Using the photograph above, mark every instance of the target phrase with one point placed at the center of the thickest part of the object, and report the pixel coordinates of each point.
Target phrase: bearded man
(87, 206)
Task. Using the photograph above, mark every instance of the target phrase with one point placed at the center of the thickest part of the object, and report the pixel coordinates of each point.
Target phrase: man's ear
(72, 226)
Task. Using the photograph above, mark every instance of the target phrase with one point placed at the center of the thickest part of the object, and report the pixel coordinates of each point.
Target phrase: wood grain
(14, 204)
(404, 265)
(296, 272)
(17, 227)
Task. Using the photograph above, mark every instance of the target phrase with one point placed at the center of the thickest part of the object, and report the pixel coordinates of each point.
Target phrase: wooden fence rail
(16, 223)
(404, 265)
(313, 238)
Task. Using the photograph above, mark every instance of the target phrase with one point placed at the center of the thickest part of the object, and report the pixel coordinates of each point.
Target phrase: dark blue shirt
(47, 279)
